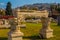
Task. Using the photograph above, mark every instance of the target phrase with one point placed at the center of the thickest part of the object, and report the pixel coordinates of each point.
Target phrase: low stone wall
(34, 21)
(4, 23)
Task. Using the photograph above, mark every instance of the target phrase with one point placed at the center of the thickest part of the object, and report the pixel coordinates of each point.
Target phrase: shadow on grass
(25, 37)
(3, 38)
(56, 25)
(32, 37)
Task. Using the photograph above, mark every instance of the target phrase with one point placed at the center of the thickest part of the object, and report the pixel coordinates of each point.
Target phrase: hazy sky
(16, 3)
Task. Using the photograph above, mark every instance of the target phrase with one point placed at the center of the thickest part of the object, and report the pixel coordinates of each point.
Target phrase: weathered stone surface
(46, 31)
(15, 33)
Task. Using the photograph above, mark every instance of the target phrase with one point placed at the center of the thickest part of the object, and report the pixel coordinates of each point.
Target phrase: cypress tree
(8, 9)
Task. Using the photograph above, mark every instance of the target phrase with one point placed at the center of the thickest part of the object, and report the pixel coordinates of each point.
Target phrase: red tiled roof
(6, 17)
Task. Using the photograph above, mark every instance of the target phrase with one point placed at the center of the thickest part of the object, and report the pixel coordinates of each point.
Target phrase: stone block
(15, 36)
(46, 33)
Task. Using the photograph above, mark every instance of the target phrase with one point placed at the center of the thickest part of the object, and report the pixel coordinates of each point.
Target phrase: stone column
(6, 22)
(46, 31)
(20, 18)
(15, 33)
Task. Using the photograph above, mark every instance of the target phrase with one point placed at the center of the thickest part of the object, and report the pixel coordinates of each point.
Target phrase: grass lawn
(31, 32)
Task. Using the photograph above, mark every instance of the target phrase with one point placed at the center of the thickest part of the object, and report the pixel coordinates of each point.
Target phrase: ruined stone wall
(33, 13)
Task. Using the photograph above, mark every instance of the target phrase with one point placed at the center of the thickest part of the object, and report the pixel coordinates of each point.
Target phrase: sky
(17, 3)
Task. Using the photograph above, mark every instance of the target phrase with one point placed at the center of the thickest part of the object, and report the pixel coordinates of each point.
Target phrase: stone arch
(46, 31)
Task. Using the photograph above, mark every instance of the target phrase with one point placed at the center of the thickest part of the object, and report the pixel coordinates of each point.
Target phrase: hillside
(38, 6)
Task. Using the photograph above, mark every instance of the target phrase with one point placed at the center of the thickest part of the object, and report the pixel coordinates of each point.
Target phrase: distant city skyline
(17, 3)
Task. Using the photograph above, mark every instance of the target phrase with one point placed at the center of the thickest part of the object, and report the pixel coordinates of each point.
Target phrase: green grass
(31, 32)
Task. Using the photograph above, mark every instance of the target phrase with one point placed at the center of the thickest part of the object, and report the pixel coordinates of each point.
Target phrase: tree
(24, 7)
(58, 17)
(33, 8)
(2, 12)
(58, 9)
(8, 9)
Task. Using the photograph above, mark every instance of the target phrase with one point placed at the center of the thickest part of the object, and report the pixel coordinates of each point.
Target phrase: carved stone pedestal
(15, 36)
(15, 33)
(46, 31)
